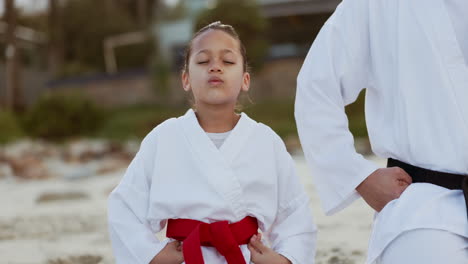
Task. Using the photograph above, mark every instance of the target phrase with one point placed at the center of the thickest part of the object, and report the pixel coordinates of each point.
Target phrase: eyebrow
(208, 51)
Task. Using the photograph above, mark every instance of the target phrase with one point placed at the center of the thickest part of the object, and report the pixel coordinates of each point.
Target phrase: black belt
(448, 180)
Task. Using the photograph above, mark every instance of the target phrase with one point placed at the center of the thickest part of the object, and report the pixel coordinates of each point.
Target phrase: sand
(63, 221)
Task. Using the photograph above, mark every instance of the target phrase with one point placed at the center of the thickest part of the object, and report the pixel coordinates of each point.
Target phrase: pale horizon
(31, 6)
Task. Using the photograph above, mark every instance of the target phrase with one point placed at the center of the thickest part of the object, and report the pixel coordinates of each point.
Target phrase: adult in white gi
(412, 57)
(180, 173)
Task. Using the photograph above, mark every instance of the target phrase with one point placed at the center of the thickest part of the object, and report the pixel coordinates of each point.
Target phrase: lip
(215, 80)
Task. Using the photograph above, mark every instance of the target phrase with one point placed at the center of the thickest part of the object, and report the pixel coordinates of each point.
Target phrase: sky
(27, 5)
(36, 5)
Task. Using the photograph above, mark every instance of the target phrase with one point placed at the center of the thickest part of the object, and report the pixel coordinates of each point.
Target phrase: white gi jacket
(179, 173)
(405, 52)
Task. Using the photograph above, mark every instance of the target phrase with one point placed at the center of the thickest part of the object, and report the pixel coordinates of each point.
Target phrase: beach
(62, 220)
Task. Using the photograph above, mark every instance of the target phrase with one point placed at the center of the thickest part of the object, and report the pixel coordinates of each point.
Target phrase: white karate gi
(179, 173)
(407, 54)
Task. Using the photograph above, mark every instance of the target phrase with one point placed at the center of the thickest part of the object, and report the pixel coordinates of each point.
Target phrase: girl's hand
(383, 185)
(261, 254)
(170, 254)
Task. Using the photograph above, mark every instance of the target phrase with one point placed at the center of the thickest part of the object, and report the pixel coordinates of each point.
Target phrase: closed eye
(202, 62)
(229, 62)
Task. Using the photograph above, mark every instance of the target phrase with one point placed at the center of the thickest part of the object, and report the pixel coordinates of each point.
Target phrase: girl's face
(215, 70)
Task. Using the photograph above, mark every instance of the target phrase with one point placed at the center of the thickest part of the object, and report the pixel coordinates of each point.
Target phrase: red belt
(225, 237)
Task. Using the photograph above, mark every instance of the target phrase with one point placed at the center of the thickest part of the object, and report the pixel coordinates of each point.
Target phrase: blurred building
(31, 45)
(293, 26)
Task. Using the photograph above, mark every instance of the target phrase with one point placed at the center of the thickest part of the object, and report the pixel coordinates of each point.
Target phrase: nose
(215, 67)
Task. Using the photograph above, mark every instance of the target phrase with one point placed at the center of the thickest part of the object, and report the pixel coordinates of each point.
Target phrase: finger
(396, 194)
(174, 243)
(402, 186)
(170, 245)
(259, 245)
(254, 253)
(404, 176)
(252, 245)
(402, 182)
(180, 257)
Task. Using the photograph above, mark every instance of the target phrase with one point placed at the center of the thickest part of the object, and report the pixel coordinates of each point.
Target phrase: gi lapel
(216, 164)
(238, 138)
(439, 27)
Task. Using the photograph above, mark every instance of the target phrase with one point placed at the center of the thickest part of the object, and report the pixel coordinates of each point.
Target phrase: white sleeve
(133, 238)
(293, 233)
(335, 70)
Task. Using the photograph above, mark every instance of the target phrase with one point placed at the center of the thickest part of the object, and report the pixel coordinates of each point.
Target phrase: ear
(186, 81)
(246, 82)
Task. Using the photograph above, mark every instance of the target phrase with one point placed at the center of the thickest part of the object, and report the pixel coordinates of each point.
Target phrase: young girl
(212, 176)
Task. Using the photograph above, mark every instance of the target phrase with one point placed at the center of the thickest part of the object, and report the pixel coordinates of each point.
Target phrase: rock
(85, 150)
(85, 259)
(78, 159)
(61, 196)
(340, 260)
(27, 147)
(29, 167)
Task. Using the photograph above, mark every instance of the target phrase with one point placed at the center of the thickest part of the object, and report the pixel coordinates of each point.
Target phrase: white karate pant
(428, 246)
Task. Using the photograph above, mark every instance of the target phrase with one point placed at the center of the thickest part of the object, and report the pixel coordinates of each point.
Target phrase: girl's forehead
(215, 40)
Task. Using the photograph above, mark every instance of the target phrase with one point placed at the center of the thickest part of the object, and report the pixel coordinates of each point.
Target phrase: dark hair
(216, 26)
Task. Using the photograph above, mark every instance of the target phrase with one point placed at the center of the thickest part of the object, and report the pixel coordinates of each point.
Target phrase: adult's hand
(383, 185)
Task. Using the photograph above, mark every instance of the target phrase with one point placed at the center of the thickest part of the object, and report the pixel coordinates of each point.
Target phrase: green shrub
(10, 128)
(136, 121)
(356, 118)
(277, 114)
(60, 116)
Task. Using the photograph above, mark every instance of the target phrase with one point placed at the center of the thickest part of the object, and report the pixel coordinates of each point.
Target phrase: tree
(55, 38)
(14, 96)
(141, 11)
(245, 17)
(87, 24)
